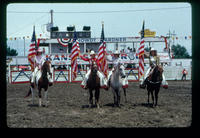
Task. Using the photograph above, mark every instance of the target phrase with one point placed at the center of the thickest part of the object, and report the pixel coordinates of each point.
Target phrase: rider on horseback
(116, 60)
(103, 81)
(154, 60)
(38, 62)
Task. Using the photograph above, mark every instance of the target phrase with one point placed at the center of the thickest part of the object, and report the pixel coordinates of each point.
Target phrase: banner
(64, 41)
(65, 59)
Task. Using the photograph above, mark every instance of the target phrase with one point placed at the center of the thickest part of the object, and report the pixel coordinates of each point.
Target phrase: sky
(120, 19)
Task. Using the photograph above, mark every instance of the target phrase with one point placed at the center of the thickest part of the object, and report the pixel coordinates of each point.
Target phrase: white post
(50, 48)
(24, 46)
(9, 77)
(84, 46)
(70, 74)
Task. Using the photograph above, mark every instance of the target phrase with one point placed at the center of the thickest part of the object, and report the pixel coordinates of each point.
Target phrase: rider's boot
(50, 82)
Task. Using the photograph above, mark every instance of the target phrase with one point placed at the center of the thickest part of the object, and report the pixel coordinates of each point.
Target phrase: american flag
(101, 54)
(141, 54)
(74, 54)
(32, 50)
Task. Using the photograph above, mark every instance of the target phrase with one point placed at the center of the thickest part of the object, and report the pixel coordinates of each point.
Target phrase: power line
(174, 8)
(27, 25)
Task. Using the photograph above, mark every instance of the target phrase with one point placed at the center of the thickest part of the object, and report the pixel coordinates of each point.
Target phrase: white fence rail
(64, 76)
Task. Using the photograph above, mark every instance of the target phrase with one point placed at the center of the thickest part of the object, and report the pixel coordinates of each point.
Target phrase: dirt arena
(68, 108)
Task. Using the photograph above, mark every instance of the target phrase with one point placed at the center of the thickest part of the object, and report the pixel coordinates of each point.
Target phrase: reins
(157, 82)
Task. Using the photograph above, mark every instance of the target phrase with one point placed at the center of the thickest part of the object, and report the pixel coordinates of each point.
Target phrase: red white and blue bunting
(64, 41)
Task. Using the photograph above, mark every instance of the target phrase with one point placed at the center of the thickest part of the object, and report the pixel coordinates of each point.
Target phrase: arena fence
(61, 76)
(64, 75)
(20, 76)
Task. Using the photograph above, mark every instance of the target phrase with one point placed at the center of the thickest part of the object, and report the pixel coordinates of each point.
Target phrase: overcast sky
(120, 19)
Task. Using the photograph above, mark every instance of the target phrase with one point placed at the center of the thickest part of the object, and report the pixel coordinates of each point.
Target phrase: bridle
(160, 71)
(47, 63)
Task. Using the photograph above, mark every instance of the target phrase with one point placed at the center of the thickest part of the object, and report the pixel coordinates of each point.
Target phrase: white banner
(131, 58)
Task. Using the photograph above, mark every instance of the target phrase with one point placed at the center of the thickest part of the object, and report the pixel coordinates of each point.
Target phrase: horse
(153, 82)
(116, 84)
(41, 81)
(93, 83)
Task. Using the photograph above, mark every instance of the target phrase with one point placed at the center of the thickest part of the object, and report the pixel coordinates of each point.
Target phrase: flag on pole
(141, 54)
(102, 53)
(74, 55)
(32, 50)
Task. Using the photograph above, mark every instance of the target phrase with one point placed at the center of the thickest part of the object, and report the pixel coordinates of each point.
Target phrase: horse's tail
(28, 94)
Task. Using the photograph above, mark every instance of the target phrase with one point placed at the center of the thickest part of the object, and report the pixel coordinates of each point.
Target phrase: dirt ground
(68, 107)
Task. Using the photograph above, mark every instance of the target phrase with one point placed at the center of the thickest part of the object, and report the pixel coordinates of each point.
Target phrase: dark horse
(93, 83)
(41, 81)
(153, 83)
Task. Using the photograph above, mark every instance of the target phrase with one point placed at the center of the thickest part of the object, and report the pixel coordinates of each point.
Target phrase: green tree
(11, 52)
(180, 51)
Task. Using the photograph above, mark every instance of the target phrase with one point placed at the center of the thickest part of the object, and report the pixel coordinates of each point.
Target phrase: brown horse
(153, 83)
(41, 82)
(93, 83)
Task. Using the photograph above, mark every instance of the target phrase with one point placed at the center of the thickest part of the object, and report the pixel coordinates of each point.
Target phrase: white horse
(116, 84)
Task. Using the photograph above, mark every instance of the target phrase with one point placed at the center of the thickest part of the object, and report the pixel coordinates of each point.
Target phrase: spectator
(184, 72)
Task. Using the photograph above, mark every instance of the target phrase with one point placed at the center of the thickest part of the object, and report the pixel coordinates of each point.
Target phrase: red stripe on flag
(141, 58)
(101, 58)
(74, 55)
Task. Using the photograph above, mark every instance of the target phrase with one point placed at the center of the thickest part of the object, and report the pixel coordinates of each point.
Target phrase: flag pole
(35, 38)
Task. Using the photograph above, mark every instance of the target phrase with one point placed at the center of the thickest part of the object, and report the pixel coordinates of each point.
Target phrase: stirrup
(123, 76)
(84, 87)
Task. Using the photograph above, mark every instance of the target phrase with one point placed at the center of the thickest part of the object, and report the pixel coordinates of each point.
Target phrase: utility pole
(51, 11)
(169, 46)
(24, 45)
(171, 35)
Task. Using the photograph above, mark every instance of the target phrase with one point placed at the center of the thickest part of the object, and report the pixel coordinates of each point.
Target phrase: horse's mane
(44, 68)
(157, 74)
(93, 76)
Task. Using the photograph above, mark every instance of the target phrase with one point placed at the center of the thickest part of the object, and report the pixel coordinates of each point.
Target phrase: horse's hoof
(40, 102)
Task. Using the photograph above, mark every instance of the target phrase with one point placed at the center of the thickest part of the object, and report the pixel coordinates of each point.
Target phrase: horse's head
(46, 67)
(94, 67)
(119, 69)
(157, 74)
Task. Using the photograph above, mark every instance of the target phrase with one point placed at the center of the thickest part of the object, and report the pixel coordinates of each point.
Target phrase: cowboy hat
(116, 52)
(39, 50)
(152, 49)
(92, 52)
